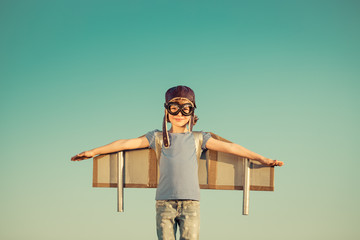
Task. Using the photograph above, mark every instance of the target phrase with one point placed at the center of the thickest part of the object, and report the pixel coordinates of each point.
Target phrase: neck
(175, 129)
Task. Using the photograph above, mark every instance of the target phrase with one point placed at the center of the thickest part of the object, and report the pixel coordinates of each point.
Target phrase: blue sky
(278, 77)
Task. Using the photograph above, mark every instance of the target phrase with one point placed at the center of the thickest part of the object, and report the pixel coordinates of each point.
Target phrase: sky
(280, 78)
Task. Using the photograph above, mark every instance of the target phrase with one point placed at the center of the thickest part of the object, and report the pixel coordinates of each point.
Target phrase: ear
(195, 120)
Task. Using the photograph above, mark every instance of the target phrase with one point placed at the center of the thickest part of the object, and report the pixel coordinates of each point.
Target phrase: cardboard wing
(139, 169)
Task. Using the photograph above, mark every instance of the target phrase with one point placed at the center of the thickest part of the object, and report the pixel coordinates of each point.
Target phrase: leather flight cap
(177, 92)
(180, 92)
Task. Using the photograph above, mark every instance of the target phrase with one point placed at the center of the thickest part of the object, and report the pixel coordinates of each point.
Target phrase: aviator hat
(178, 92)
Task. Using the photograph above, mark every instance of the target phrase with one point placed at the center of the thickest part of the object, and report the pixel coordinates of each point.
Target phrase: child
(178, 191)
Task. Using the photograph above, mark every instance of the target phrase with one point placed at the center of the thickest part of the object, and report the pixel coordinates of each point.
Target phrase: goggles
(174, 108)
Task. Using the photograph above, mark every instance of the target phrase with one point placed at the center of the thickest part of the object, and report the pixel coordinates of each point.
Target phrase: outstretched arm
(119, 145)
(233, 148)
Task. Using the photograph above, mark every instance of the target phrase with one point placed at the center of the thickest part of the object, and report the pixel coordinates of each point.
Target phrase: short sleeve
(206, 137)
(151, 138)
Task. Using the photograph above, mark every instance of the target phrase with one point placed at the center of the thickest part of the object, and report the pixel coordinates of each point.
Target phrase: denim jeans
(173, 213)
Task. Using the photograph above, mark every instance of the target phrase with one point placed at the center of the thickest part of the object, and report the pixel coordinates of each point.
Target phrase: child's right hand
(83, 156)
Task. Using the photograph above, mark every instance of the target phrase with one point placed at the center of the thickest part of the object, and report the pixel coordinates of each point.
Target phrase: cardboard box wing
(217, 170)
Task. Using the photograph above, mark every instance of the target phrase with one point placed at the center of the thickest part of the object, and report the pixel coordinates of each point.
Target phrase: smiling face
(179, 121)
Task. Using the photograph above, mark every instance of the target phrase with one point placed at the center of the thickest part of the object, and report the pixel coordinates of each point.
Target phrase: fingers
(278, 163)
(75, 158)
(79, 157)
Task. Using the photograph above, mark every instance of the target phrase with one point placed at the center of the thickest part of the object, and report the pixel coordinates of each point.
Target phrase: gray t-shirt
(178, 166)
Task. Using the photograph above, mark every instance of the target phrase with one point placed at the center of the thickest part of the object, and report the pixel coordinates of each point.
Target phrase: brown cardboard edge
(152, 168)
(213, 157)
(95, 171)
(212, 168)
(202, 186)
(228, 187)
(272, 178)
(128, 185)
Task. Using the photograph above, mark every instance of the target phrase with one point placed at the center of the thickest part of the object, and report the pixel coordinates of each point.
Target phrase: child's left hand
(277, 163)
